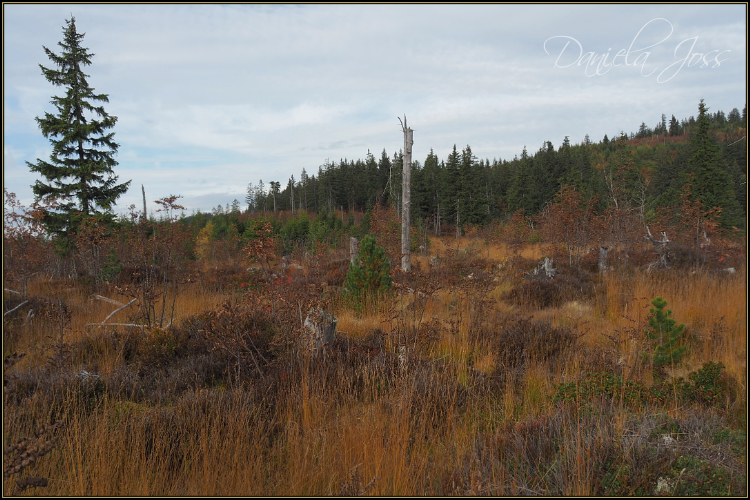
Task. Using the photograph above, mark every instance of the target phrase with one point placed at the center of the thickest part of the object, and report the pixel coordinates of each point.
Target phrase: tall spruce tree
(79, 174)
(712, 184)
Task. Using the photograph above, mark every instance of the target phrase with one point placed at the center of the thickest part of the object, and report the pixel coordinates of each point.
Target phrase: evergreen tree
(521, 193)
(643, 131)
(370, 276)
(712, 185)
(261, 196)
(666, 335)
(250, 198)
(734, 116)
(83, 147)
(275, 192)
(674, 126)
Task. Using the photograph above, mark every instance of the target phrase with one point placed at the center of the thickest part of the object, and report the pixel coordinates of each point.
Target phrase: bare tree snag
(145, 212)
(660, 246)
(545, 270)
(406, 198)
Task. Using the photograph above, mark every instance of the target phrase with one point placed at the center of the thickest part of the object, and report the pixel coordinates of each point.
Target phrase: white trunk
(406, 199)
(145, 213)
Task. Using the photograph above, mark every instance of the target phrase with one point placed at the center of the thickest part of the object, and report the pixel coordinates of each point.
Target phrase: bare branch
(19, 305)
(118, 310)
(113, 324)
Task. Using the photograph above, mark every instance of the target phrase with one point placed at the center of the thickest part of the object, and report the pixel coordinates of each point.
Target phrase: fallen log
(106, 299)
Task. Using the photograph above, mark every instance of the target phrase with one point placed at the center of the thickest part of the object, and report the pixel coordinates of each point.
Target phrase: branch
(654, 241)
(12, 291)
(117, 310)
(113, 324)
(19, 305)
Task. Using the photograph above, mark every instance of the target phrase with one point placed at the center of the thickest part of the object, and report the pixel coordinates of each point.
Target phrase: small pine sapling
(371, 275)
(666, 336)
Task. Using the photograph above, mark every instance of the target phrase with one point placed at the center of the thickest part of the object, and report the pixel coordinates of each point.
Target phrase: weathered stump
(320, 329)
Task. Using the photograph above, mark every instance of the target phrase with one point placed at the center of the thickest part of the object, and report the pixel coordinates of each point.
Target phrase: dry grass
(469, 408)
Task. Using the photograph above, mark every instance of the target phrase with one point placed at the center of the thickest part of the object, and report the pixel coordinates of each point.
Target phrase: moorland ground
(465, 378)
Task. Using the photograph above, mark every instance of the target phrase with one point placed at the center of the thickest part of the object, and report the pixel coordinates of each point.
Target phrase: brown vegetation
(466, 379)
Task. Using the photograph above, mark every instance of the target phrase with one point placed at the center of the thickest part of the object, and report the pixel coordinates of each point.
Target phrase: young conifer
(665, 335)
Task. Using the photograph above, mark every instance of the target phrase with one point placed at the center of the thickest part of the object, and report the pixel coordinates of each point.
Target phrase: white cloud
(223, 95)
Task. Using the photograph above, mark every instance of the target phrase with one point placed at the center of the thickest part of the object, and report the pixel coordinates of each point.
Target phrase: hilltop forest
(645, 172)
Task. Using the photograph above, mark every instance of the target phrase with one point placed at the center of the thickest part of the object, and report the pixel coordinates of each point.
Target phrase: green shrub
(698, 477)
(370, 276)
(709, 385)
(602, 385)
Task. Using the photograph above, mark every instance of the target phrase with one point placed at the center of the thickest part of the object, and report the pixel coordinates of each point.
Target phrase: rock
(664, 486)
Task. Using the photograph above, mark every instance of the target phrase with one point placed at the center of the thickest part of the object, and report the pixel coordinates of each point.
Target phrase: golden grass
(312, 443)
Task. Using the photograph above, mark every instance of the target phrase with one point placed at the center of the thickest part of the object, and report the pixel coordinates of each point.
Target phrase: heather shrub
(543, 293)
(518, 342)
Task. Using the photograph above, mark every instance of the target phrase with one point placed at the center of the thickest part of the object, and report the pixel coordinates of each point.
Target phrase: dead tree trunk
(145, 213)
(406, 198)
(661, 249)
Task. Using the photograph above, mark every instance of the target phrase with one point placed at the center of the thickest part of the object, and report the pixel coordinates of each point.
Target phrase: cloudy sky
(212, 97)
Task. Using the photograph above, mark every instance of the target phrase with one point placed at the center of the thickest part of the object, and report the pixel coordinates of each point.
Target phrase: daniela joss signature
(600, 64)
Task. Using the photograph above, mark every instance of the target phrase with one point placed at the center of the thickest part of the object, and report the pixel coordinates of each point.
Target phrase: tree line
(650, 167)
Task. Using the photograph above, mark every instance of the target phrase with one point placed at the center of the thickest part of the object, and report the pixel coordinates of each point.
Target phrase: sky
(210, 98)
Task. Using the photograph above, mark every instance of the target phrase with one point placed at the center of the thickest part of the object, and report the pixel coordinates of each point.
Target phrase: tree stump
(320, 329)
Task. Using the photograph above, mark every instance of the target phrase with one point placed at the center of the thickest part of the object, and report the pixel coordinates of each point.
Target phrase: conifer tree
(712, 186)
(666, 336)
(370, 276)
(80, 171)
